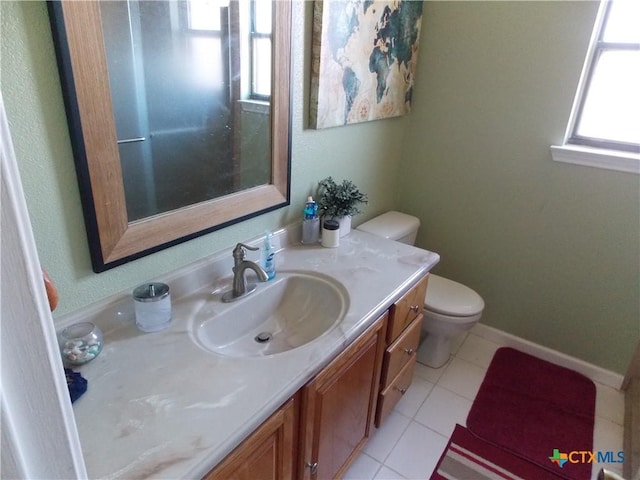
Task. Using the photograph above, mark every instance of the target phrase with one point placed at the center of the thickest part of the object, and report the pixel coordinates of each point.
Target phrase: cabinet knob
(313, 467)
(408, 351)
(414, 308)
(401, 390)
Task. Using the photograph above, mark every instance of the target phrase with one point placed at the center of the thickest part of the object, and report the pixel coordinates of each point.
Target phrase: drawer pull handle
(313, 467)
(401, 390)
(408, 351)
(414, 308)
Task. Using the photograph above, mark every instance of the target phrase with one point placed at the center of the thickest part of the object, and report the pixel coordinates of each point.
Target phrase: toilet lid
(451, 298)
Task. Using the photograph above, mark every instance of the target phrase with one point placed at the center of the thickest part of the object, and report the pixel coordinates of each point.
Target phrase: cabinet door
(267, 454)
(338, 406)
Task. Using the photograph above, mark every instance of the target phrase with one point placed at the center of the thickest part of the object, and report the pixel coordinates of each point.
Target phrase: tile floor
(410, 442)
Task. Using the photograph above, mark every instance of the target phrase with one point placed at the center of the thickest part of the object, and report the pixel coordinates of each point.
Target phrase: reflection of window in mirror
(205, 14)
(260, 50)
(190, 84)
(255, 21)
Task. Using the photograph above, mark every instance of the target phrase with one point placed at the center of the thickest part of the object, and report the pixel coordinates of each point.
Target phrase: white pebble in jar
(80, 343)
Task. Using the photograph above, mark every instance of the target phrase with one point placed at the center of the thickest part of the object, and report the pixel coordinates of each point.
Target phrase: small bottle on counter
(310, 223)
(269, 256)
(330, 234)
(310, 209)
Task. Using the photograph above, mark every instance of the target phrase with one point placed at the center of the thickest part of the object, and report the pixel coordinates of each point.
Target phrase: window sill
(598, 158)
(255, 106)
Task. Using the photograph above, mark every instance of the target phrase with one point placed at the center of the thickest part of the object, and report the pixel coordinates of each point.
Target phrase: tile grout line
(412, 419)
(386, 457)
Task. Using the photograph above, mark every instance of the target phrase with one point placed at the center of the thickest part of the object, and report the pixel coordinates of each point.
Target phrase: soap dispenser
(310, 222)
(269, 256)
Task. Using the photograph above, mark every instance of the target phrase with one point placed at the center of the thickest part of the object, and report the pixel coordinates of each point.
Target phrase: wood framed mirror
(118, 229)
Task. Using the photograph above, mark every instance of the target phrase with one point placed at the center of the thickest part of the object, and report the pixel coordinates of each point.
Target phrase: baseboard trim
(595, 373)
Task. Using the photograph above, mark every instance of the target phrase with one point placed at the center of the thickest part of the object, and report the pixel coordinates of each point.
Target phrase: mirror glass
(175, 125)
(175, 86)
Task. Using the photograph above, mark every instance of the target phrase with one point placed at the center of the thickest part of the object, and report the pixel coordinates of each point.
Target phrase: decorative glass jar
(80, 343)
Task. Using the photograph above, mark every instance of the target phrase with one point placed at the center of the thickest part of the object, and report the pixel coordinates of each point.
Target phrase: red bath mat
(536, 410)
(468, 457)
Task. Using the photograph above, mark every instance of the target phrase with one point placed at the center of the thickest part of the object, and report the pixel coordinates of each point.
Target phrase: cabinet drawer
(394, 392)
(405, 310)
(401, 351)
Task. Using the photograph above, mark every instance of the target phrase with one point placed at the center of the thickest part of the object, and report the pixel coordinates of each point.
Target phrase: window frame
(589, 151)
(253, 35)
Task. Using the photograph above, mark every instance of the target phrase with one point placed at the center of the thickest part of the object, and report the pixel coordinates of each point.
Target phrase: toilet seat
(451, 298)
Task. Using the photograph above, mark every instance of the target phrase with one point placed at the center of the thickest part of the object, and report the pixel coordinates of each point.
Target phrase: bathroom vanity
(338, 406)
(165, 405)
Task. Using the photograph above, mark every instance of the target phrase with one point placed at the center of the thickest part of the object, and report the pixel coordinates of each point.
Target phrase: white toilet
(450, 308)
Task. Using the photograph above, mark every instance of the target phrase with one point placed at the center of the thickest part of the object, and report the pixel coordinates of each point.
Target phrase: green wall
(553, 248)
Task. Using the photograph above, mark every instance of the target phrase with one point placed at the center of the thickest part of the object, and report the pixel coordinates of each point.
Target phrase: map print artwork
(364, 56)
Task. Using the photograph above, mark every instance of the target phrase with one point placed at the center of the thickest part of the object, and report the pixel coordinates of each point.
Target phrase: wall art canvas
(364, 56)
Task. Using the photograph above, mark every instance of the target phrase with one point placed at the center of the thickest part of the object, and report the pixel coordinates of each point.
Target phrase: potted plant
(340, 201)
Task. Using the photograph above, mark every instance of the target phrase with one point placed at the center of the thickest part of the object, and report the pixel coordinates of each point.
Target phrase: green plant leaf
(339, 200)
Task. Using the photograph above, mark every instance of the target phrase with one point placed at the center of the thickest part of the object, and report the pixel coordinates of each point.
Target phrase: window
(604, 129)
(260, 49)
(204, 15)
(254, 19)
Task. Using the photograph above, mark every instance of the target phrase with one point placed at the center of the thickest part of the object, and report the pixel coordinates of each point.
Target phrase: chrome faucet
(240, 287)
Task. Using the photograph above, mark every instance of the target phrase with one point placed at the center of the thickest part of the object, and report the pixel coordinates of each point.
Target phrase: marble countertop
(159, 406)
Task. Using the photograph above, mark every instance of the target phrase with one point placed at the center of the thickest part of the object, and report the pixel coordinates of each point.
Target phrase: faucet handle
(247, 247)
(238, 252)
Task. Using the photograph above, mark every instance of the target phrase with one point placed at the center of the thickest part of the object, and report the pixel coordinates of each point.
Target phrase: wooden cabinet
(402, 339)
(338, 407)
(268, 453)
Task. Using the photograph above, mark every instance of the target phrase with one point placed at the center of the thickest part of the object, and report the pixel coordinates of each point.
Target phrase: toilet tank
(394, 226)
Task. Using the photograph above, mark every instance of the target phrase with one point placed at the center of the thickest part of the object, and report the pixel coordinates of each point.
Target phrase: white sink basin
(285, 313)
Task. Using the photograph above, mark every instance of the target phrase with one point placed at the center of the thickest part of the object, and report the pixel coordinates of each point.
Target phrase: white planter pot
(345, 225)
